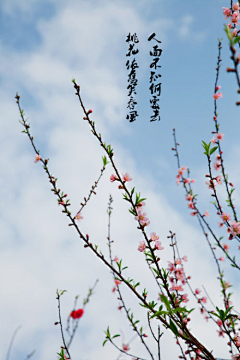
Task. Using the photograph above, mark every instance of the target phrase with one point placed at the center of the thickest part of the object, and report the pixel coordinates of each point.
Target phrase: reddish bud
(76, 314)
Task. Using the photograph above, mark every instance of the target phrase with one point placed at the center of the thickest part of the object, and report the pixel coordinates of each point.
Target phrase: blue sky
(43, 45)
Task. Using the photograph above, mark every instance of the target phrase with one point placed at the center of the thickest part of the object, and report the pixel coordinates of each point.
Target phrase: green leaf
(229, 33)
(206, 147)
(213, 149)
(159, 313)
(236, 40)
(173, 328)
(105, 162)
(166, 302)
(132, 212)
(156, 271)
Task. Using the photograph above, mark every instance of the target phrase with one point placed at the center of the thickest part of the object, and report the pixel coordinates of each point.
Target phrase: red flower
(76, 314)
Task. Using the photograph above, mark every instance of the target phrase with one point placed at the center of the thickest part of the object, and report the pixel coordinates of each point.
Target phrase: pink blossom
(234, 32)
(177, 181)
(178, 262)
(213, 140)
(184, 258)
(216, 96)
(117, 282)
(210, 184)
(206, 213)
(142, 246)
(225, 216)
(113, 177)
(115, 259)
(226, 285)
(237, 340)
(176, 288)
(219, 136)
(185, 298)
(125, 347)
(197, 291)
(179, 288)
(219, 179)
(235, 17)
(154, 237)
(219, 322)
(226, 247)
(37, 158)
(171, 266)
(191, 205)
(158, 245)
(187, 181)
(189, 197)
(235, 228)
(141, 204)
(126, 177)
(141, 217)
(221, 258)
(220, 333)
(236, 357)
(180, 275)
(194, 213)
(227, 12)
(181, 170)
(217, 88)
(217, 165)
(204, 300)
(78, 217)
(235, 6)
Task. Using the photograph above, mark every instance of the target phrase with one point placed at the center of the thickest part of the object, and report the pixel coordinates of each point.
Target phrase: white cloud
(186, 32)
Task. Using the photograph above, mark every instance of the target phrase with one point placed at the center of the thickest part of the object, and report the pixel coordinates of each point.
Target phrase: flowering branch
(60, 322)
(133, 323)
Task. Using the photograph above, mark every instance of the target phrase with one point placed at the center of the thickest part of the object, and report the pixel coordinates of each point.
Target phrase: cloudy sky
(43, 46)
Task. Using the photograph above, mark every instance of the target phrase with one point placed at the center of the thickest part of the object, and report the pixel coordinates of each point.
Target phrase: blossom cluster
(153, 237)
(125, 177)
(177, 277)
(233, 15)
(233, 226)
(217, 94)
(180, 174)
(141, 216)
